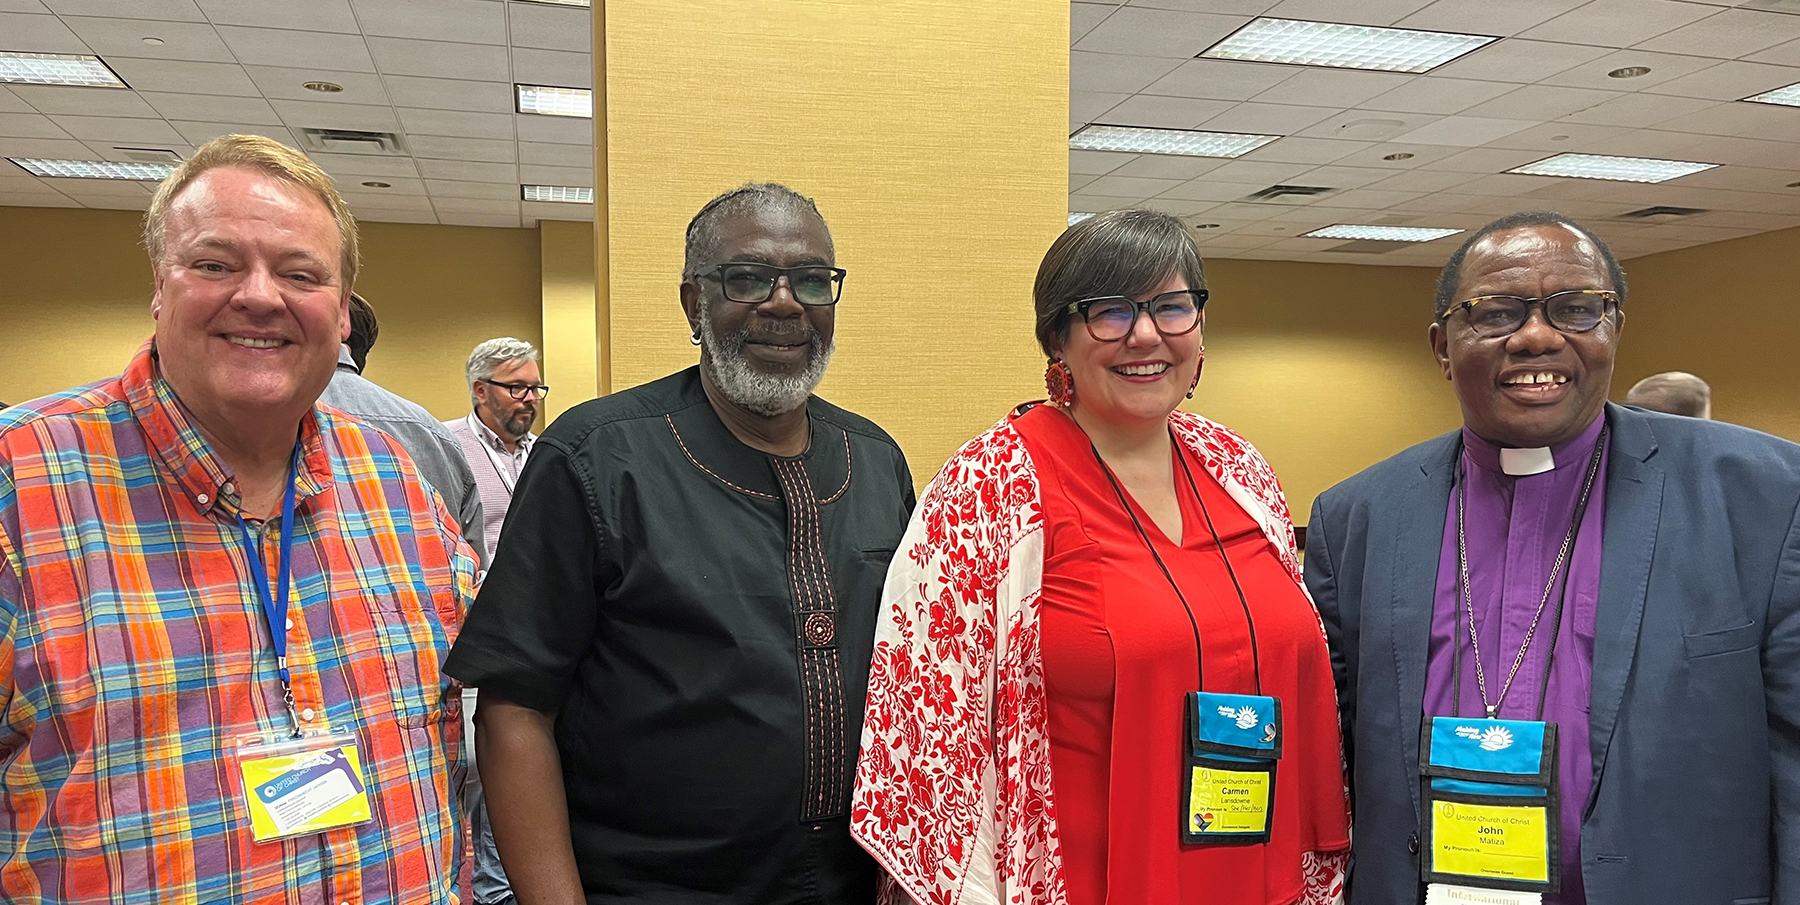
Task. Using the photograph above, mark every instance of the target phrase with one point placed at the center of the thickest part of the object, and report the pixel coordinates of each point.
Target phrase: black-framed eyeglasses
(752, 284)
(1570, 311)
(1110, 318)
(519, 391)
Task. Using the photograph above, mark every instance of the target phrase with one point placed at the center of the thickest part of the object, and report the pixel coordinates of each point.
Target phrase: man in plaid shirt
(207, 580)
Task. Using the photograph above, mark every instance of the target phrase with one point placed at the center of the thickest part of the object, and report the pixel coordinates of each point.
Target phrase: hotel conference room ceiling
(1386, 148)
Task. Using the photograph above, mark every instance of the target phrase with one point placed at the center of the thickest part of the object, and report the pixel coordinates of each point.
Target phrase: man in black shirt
(673, 643)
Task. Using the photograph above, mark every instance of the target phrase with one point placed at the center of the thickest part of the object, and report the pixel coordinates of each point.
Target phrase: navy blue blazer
(1695, 709)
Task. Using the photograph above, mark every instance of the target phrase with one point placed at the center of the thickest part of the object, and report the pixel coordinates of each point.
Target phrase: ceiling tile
(1483, 160)
(1099, 163)
(1373, 199)
(450, 188)
(1620, 23)
(1366, 125)
(39, 34)
(1636, 110)
(1580, 138)
(186, 77)
(1520, 62)
(1421, 181)
(1463, 130)
(1663, 67)
(1484, 17)
(281, 83)
(1208, 189)
(1658, 143)
(1782, 54)
(23, 6)
(36, 199)
(1165, 166)
(83, 101)
(1315, 151)
(1541, 102)
(1362, 12)
(397, 187)
(1267, 119)
(449, 94)
(116, 202)
(1122, 186)
(156, 10)
(1332, 87)
(312, 15)
(298, 49)
(1729, 34)
(65, 148)
(1748, 179)
(316, 115)
(113, 38)
(1503, 184)
(554, 129)
(551, 27)
(384, 215)
(12, 103)
(471, 149)
(1729, 81)
(361, 197)
(346, 165)
(552, 67)
(465, 21)
(1728, 149)
(200, 133)
(212, 108)
(403, 56)
(78, 188)
(1230, 7)
(29, 125)
(1376, 154)
(1343, 177)
(556, 211)
(1088, 106)
(1159, 33)
(1260, 172)
(456, 123)
(1436, 94)
(1747, 120)
(542, 175)
(1226, 80)
(1113, 73)
(1165, 112)
(487, 220)
(1084, 16)
(471, 171)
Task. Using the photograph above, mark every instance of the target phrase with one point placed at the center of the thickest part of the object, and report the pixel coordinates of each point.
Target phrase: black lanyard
(1199, 655)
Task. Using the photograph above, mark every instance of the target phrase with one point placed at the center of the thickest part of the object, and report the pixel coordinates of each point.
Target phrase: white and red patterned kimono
(953, 791)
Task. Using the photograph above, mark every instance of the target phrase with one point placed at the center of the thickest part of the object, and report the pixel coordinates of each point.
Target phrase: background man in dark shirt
(672, 646)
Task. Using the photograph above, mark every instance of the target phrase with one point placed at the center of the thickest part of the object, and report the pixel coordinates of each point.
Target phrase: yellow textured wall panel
(932, 134)
(571, 360)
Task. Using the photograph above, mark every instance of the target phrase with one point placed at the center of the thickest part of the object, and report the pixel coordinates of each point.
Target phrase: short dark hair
(1671, 392)
(1124, 252)
(703, 239)
(364, 328)
(1451, 275)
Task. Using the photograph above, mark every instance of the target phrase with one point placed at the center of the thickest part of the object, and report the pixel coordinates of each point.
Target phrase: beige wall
(75, 300)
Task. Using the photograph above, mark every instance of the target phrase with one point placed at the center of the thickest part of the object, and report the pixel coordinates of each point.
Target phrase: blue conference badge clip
(1233, 742)
(1491, 819)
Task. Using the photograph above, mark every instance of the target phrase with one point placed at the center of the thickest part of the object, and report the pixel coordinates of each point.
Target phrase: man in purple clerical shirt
(1630, 577)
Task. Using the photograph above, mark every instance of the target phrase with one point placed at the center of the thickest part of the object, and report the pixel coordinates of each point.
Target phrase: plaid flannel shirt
(135, 655)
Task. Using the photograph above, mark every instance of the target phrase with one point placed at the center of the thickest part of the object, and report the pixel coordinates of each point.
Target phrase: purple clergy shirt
(1514, 526)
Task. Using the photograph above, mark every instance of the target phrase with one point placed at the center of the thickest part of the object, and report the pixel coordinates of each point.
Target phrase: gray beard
(764, 394)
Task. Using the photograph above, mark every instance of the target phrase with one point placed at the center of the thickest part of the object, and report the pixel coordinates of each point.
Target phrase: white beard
(764, 394)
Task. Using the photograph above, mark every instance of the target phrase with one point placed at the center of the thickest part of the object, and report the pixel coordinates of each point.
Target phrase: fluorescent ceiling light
(550, 100)
(1344, 46)
(1787, 97)
(1187, 142)
(56, 69)
(95, 169)
(1623, 169)
(575, 194)
(1380, 233)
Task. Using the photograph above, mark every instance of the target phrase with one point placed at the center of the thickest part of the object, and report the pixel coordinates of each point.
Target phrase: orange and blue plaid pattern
(135, 656)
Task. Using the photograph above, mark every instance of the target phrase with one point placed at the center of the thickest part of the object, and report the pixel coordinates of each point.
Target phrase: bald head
(1674, 393)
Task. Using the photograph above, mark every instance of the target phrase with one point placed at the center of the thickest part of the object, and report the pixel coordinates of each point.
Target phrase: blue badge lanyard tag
(275, 607)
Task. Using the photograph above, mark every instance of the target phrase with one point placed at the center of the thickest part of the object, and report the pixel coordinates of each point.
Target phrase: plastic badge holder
(1491, 820)
(1233, 742)
(302, 786)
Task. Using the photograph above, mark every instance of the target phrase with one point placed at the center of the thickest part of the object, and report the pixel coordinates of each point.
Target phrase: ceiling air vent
(1287, 194)
(350, 141)
(149, 155)
(1661, 213)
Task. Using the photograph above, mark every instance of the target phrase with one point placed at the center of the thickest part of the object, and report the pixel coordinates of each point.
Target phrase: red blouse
(1118, 658)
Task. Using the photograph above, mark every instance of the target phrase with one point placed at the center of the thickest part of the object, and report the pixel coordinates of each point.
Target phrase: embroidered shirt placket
(815, 628)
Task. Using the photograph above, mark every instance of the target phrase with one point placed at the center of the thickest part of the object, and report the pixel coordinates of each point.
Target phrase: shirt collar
(189, 460)
(492, 439)
(1574, 452)
(347, 362)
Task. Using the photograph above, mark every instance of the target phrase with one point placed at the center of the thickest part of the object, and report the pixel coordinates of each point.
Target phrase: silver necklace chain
(1562, 557)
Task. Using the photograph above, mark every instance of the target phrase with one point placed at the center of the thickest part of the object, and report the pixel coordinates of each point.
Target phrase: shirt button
(229, 487)
(1412, 843)
(202, 498)
(290, 624)
(307, 715)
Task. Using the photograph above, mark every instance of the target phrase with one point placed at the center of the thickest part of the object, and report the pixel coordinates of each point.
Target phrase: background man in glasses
(673, 644)
(1667, 609)
(505, 387)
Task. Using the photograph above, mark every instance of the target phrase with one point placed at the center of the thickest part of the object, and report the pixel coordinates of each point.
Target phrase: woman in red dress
(1083, 589)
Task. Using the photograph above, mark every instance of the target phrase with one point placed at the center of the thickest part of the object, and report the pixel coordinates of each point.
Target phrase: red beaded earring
(1059, 383)
(1197, 369)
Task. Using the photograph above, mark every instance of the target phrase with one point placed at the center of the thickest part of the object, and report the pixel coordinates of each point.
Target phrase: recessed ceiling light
(1794, 185)
(1078, 216)
(378, 185)
(94, 169)
(57, 69)
(1380, 233)
(1206, 226)
(549, 100)
(1787, 97)
(155, 42)
(323, 87)
(1401, 155)
(1188, 142)
(1628, 72)
(574, 194)
(1344, 46)
(1622, 169)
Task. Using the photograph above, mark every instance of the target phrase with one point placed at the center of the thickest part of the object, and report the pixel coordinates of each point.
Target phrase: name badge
(302, 786)
(1233, 742)
(1491, 821)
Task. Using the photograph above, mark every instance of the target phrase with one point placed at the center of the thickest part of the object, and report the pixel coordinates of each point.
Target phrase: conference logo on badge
(1245, 716)
(1493, 738)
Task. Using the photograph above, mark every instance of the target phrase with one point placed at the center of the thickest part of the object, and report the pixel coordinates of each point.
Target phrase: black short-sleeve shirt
(699, 616)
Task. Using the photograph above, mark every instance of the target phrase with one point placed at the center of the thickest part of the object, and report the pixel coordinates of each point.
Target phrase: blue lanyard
(275, 608)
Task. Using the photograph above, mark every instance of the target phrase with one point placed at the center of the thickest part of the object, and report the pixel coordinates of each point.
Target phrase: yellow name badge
(1228, 801)
(1498, 842)
(297, 787)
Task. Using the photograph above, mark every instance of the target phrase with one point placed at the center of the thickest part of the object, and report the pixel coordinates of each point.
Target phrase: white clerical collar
(1522, 462)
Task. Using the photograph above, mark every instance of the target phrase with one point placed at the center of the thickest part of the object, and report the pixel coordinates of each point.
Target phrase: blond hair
(270, 158)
